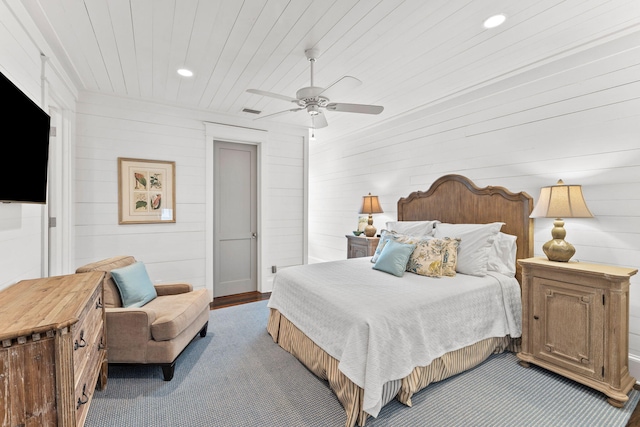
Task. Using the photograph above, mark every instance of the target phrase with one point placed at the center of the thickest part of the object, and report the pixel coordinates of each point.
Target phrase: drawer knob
(536, 317)
(84, 398)
(82, 342)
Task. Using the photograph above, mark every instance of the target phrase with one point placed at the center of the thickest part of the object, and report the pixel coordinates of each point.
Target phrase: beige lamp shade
(370, 205)
(560, 201)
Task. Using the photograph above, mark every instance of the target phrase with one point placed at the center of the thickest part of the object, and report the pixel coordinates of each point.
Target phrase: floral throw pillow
(386, 235)
(426, 259)
(449, 255)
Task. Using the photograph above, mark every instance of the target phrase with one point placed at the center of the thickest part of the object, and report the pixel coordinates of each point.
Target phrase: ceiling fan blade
(279, 112)
(343, 84)
(272, 95)
(319, 121)
(355, 108)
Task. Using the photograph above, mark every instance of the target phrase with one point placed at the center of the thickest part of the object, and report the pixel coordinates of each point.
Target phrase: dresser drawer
(85, 387)
(87, 332)
(88, 353)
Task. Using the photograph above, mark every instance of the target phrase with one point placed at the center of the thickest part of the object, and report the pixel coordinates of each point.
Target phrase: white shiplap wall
(575, 118)
(110, 127)
(22, 226)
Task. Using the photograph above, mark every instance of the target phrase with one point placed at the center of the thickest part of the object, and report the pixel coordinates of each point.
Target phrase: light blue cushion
(394, 257)
(134, 285)
(385, 236)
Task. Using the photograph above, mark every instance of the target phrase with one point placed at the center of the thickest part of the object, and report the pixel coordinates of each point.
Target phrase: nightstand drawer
(358, 247)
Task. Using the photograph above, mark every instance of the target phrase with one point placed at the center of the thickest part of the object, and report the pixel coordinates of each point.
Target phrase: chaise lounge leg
(168, 370)
(203, 331)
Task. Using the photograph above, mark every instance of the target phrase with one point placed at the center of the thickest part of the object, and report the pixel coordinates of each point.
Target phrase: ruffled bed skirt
(291, 339)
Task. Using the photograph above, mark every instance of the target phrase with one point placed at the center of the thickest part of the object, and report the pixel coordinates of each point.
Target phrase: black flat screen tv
(25, 144)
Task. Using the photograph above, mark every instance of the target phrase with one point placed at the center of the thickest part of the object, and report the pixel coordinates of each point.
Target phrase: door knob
(254, 235)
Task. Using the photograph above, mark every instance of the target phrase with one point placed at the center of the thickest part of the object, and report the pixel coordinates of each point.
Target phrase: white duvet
(380, 326)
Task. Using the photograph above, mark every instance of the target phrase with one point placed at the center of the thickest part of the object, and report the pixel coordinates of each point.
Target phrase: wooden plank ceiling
(408, 54)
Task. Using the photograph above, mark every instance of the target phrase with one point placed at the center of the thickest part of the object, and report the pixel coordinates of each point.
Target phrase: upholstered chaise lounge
(157, 332)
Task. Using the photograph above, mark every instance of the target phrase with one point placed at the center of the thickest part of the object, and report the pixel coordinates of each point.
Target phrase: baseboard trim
(237, 299)
(634, 367)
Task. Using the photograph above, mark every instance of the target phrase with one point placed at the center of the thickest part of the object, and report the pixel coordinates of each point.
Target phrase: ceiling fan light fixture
(313, 99)
(495, 21)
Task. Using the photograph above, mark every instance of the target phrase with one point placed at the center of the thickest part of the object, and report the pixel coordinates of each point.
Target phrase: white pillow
(412, 228)
(502, 255)
(475, 243)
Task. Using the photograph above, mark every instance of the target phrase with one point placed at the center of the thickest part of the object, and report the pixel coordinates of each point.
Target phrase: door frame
(58, 254)
(239, 135)
(220, 287)
(60, 192)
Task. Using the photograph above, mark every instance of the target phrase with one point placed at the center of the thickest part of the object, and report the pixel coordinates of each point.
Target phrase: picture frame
(146, 191)
(363, 220)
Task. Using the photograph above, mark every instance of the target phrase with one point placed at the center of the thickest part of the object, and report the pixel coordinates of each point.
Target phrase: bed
(375, 336)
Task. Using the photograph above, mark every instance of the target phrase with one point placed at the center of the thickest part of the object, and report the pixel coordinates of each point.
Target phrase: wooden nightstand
(360, 246)
(575, 322)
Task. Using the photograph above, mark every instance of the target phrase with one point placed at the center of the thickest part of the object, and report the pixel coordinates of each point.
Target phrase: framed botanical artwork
(146, 191)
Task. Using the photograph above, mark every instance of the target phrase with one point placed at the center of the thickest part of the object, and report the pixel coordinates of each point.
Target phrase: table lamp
(370, 205)
(560, 201)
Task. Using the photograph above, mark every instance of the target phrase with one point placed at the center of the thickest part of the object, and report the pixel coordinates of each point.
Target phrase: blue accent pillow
(134, 285)
(394, 257)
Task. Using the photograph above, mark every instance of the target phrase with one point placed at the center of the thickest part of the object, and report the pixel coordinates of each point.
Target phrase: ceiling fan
(314, 99)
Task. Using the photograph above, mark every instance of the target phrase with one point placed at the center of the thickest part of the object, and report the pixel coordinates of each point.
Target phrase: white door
(235, 218)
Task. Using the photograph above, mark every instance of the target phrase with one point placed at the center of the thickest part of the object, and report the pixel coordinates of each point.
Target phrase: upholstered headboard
(455, 199)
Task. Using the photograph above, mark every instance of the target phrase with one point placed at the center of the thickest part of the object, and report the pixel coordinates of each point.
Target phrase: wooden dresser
(361, 246)
(53, 349)
(575, 322)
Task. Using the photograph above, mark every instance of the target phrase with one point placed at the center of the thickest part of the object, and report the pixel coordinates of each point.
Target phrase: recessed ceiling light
(185, 73)
(494, 21)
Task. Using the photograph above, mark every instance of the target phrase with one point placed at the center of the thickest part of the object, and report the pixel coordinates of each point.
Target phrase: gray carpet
(237, 376)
